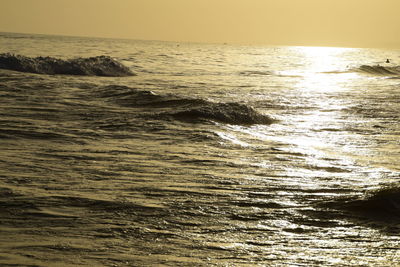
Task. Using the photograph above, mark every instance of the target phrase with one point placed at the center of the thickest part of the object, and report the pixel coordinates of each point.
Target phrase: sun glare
(324, 68)
(321, 72)
(323, 59)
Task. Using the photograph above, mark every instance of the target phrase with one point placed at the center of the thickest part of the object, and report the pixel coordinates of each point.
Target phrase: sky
(346, 23)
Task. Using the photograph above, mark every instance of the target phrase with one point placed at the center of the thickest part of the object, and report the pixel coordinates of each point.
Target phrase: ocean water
(204, 155)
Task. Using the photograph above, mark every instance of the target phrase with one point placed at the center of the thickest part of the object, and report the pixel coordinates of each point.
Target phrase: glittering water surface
(210, 155)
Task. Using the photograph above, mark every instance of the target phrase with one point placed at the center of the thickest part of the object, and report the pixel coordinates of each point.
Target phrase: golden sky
(350, 23)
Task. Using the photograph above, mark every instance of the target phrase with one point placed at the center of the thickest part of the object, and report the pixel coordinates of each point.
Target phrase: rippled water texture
(211, 155)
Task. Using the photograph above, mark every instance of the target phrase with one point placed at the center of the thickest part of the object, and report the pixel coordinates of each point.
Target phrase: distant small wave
(379, 70)
(92, 66)
(255, 73)
(185, 109)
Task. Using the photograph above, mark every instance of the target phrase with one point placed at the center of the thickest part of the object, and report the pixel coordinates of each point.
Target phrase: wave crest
(132, 97)
(382, 205)
(185, 109)
(232, 113)
(92, 66)
(380, 70)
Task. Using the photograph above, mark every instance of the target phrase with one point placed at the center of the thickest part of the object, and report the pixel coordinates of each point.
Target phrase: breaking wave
(379, 70)
(192, 110)
(92, 66)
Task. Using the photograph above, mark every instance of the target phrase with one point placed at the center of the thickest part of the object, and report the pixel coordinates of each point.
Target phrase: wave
(184, 109)
(132, 97)
(255, 73)
(379, 70)
(92, 66)
(381, 206)
(231, 113)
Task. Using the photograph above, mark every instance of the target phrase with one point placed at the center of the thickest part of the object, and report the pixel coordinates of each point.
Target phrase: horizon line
(390, 47)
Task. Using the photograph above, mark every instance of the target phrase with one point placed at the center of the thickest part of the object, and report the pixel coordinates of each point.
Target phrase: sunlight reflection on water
(153, 190)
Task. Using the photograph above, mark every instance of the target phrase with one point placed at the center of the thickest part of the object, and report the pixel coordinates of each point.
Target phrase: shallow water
(211, 155)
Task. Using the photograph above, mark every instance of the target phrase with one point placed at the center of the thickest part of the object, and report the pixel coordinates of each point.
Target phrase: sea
(119, 152)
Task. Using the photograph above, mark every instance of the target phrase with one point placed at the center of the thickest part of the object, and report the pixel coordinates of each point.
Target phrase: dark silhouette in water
(387, 60)
(92, 66)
